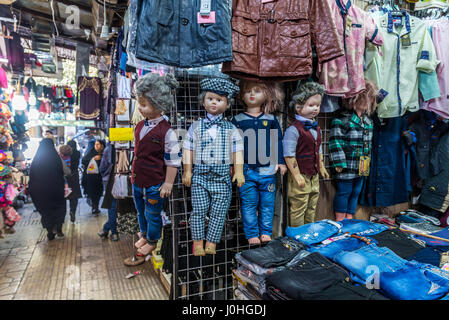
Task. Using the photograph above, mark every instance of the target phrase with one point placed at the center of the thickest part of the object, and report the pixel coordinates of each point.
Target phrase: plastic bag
(92, 168)
(120, 187)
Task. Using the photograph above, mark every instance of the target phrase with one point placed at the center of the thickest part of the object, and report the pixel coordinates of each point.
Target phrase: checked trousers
(211, 193)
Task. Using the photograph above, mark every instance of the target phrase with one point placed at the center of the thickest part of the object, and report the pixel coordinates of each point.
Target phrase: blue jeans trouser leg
(267, 197)
(347, 195)
(111, 223)
(149, 211)
(249, 197)
(257, 195)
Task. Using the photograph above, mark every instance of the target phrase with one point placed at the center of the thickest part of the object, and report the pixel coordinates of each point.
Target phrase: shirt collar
(301, 118)
(390, 25)
(210, 117)
(344, 9)
(154, 121)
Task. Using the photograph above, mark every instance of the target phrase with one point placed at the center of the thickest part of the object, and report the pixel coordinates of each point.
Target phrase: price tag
(406, 41)
(206, 19)
(348, 25)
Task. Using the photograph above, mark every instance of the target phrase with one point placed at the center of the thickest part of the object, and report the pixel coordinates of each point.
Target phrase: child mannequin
(350, 139)
(303, 155)
(263, 156)
(208, 145)
(157, 156)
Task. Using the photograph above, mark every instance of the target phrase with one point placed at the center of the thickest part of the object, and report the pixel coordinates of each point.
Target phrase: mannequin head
(365, 102)
(155, 94)
(306, 100)
(268, 96)
(214, 103)
(216, 95)
(311, 108)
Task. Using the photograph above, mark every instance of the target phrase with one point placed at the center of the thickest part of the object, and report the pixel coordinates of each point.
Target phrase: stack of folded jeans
(315, 278)
(399, 242)
(256, 264)
(397, 278)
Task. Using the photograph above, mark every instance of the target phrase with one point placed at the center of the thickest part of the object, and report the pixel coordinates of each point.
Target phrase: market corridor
(80, 266)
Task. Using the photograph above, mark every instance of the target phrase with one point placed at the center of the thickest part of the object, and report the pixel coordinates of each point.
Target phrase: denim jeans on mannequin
(149, 206)
(257, 195)
(348, 191)
(111, 223)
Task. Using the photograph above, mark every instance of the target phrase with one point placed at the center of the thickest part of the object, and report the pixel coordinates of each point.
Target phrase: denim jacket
(168, 32)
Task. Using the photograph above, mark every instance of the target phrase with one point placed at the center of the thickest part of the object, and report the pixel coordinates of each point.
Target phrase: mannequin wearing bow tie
(302, 153)
(212, 145)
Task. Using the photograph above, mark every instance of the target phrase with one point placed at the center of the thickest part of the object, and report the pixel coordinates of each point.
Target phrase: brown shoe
(210, 248)
(198, 250)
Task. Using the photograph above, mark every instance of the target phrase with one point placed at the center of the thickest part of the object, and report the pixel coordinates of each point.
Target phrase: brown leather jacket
(273, 40)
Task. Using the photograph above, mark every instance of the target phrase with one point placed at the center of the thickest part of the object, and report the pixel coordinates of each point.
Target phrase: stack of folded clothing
(316, 278)
(256, 264)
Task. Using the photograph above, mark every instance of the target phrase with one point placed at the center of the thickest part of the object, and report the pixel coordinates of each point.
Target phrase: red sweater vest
(148, 167)
(307, 150)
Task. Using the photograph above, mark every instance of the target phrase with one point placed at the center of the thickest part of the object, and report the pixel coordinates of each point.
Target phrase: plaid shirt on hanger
(350, 138)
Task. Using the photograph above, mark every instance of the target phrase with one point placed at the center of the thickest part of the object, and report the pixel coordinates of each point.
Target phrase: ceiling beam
(74, 3)
(45, 16)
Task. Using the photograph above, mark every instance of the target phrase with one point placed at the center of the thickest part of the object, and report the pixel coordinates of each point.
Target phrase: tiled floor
(80, 266)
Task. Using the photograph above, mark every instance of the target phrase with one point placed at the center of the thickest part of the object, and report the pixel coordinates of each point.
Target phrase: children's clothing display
(272, 39)
(407, 49)
(172, 33)
(344, 76)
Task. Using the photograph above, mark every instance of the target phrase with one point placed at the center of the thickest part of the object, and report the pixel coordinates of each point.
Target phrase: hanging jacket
(274, 39)
(169, 33)
(435, 193)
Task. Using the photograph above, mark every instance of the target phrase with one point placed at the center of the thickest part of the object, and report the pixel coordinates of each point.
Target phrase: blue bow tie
(308, 125)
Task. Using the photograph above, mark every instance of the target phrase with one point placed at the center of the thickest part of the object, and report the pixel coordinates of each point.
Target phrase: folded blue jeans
(362, 227)
(257, 196)
(312, 233)
(347, 196)
(149, 205)
(331, 249)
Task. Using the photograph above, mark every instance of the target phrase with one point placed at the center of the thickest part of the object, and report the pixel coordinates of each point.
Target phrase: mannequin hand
(240, 178)
(165, 189)
(187, 178)
(324, 173)
(282, 168)
(339, 169)
(300, 181)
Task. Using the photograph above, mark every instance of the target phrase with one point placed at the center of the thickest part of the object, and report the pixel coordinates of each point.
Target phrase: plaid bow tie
(216, 121)
(308, 125)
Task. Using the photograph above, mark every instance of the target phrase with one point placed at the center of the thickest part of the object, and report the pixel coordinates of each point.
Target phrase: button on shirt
(172, 153)
(291, 137)
(344, 76)
(400, 61)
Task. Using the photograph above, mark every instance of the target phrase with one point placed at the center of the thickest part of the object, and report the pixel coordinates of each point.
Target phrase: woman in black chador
(47, 187)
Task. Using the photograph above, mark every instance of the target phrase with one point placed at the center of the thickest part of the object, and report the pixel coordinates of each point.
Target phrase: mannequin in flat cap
(303, 154)
(157, 156)
(212, 144)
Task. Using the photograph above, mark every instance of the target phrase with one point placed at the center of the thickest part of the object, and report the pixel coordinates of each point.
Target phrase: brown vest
(307, 150)
(148, 167)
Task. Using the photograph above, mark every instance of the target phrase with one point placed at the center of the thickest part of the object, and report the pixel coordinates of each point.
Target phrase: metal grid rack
(210, 277)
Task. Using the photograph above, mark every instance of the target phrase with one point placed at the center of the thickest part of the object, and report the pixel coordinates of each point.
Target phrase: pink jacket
(344, 76)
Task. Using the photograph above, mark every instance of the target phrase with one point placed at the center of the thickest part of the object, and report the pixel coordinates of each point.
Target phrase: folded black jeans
(276, 253)
(398, 242)
(307, 278)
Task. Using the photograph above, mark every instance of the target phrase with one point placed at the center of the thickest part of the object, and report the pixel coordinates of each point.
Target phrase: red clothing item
(148, 168)
(307, 150)
(3, 79)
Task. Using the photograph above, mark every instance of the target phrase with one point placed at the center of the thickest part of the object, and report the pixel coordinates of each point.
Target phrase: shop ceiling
(40, 19)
